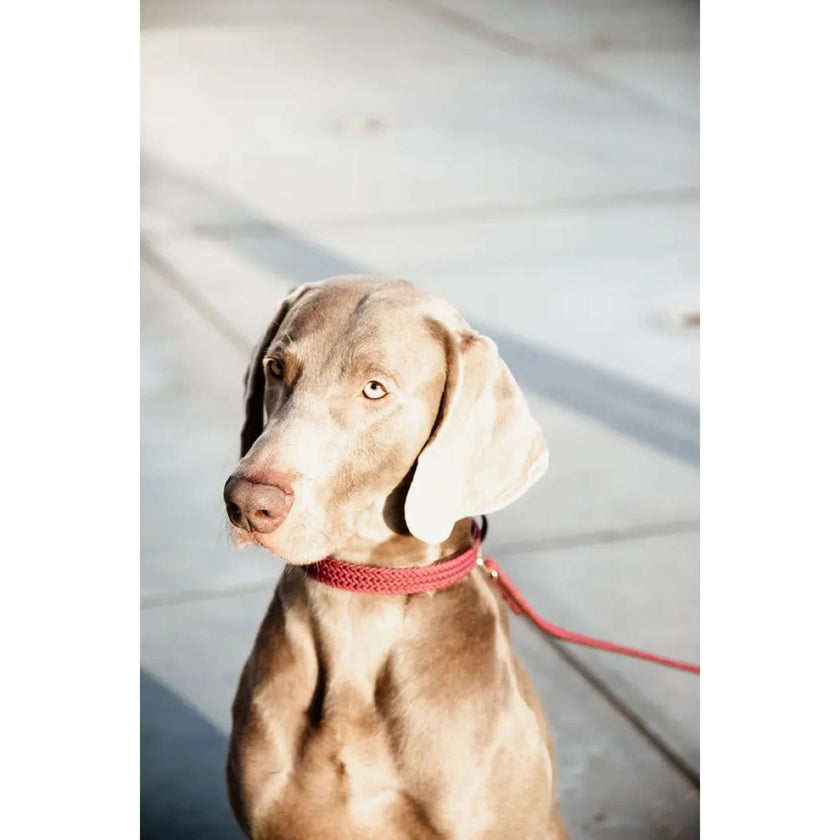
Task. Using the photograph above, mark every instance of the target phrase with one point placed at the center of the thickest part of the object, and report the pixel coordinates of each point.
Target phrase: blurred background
(536, 163)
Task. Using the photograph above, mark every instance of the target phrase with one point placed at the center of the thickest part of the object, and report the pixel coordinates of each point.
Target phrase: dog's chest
(345, 766)
(345, 782)
(400, 731)
(347, 760)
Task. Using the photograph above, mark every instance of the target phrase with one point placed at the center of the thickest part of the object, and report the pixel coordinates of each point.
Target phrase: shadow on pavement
(182, 770)
(656, 419)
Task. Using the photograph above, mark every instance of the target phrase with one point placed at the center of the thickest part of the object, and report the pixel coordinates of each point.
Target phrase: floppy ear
(255, 376)
(486, 449)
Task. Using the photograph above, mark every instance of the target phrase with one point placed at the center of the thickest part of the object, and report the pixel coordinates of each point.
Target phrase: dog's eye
(275, 368)
(374, 390)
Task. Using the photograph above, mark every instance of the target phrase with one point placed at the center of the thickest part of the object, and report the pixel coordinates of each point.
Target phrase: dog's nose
(257, 507)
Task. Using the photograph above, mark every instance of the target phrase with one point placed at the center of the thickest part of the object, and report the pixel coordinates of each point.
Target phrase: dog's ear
(255, 375)
(486, 449)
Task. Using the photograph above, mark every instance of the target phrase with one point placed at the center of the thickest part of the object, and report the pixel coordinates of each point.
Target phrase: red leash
(412, 580)
(520, 606)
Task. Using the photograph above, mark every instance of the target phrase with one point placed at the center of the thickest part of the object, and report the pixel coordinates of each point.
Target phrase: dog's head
(372, 409)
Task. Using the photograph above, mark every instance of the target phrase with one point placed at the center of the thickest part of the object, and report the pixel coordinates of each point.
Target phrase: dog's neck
(405, 550)
(355, 633)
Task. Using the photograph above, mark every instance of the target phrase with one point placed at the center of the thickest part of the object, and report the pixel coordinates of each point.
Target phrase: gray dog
(377, 424)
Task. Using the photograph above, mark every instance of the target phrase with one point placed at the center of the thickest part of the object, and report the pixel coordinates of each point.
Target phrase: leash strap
(520, 606)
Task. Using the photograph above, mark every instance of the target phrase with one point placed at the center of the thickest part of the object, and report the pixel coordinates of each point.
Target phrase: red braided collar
(379, 580)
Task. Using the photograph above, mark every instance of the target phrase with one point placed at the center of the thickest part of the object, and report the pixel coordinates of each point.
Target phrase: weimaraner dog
(377, 424)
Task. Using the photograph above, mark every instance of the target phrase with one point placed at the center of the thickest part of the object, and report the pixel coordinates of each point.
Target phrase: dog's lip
(243, 537)
(240, 536)
(259, 540)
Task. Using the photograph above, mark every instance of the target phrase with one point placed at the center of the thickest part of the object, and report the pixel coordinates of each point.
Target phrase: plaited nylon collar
(407, 580)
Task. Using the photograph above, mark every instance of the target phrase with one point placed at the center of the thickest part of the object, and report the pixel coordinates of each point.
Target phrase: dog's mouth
(242, 537)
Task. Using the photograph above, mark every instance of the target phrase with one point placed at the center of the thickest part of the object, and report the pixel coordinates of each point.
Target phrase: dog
(377, 424)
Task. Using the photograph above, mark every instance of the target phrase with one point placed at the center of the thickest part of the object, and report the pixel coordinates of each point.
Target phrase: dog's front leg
(270, 711)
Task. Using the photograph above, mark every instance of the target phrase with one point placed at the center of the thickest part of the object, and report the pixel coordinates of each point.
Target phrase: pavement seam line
(201, 305)
(513, 45)
(685, 768)
(680, 196)
(600, 537)
(594, 538)
(190, 596)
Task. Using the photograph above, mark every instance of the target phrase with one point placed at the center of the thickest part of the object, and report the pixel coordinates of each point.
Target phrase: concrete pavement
(534, 162)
